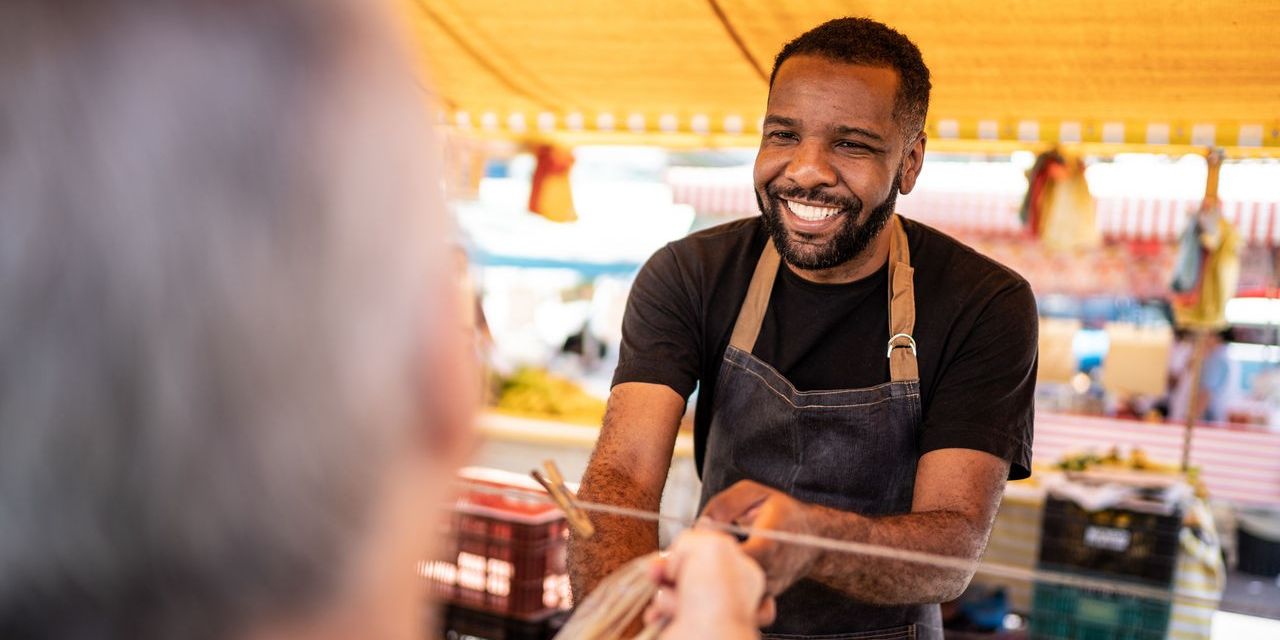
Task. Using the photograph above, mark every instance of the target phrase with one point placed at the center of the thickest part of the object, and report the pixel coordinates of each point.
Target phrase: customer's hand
(709, 588)
(751, 504)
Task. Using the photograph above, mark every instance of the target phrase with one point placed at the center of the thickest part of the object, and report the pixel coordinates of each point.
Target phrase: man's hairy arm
(957, 493)
(629, 469)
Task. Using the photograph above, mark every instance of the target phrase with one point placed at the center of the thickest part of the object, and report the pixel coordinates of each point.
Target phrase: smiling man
(862, 377)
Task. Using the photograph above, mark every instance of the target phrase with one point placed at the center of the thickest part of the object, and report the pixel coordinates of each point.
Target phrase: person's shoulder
(733, 233)
(956, 262)
(722, 243)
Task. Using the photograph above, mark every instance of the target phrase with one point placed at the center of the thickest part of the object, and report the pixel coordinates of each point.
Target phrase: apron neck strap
(902, 303)
(902, 306)
(751, 315)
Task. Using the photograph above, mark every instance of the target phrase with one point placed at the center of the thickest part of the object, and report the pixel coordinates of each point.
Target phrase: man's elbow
(935, 587)
(952, 586)
(620, 485)
(945, 581)
(917, 585)
(953, 580)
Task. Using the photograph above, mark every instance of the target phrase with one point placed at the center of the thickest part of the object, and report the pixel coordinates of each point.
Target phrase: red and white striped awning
(729, 194)
(714, 191)
(1236, 465)
(1161, 220)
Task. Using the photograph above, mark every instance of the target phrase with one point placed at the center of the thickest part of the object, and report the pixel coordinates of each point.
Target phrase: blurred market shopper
(224, 409)
(783, 323)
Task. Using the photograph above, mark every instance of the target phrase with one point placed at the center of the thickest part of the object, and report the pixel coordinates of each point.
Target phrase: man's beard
(850, 239)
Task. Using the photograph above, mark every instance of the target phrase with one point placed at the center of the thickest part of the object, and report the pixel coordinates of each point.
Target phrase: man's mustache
(815, 196)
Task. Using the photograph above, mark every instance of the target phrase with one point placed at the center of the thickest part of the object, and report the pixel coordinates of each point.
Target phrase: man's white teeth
(810, 212)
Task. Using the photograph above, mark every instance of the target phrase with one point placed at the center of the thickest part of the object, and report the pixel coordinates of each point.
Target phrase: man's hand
(751, 504)
(709, 589)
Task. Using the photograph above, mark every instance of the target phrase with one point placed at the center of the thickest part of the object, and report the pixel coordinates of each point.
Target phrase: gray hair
(218, 257)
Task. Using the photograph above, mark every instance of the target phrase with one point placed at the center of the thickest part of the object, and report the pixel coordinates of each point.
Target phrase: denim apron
(849, 449)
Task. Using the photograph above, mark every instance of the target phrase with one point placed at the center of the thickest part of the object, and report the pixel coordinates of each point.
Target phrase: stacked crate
(1134, 543)
(460, 623)
(506, 568)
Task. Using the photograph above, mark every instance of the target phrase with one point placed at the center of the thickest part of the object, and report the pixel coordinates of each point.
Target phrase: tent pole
(1199, 347)
(1214, 158)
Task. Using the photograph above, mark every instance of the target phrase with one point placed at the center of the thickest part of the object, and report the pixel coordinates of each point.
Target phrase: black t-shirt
(976, 333)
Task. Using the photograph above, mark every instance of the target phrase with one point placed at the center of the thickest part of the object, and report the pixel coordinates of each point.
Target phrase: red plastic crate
(508, 556)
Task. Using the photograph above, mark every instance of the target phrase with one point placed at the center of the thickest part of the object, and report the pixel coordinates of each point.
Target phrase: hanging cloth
(1200, 577)
(1186, 270)
(549, 192)
(1040, 181)
(1070, 213)
(1220, 274)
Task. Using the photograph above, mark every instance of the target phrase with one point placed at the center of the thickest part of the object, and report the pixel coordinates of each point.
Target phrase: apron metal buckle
(911, 343)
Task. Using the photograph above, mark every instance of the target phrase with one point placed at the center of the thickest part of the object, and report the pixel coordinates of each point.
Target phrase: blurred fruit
(536, 393)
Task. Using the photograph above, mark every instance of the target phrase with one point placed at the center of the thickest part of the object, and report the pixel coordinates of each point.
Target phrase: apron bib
(849, 449)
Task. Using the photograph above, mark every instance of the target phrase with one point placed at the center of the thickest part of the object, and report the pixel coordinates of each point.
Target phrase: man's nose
(810, 166)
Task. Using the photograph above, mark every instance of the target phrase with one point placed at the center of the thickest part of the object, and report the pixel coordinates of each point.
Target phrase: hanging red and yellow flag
(549, 193)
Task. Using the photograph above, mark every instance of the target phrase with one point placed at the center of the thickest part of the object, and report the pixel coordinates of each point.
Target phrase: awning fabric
(1180, 72)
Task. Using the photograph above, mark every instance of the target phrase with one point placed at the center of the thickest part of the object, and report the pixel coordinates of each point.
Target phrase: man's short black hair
(864, 41)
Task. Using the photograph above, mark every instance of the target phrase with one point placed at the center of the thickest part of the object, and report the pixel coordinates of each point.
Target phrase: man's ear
(912, 162)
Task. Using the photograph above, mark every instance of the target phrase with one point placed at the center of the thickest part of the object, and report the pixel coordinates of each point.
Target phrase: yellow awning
(1179, 72)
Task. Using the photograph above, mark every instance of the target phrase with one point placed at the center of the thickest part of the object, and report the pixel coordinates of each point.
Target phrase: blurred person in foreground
(230, 400)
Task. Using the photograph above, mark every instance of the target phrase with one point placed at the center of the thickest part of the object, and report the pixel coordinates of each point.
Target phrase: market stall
(1134, 96)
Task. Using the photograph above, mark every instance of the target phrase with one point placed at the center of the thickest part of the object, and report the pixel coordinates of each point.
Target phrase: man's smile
(811, 218)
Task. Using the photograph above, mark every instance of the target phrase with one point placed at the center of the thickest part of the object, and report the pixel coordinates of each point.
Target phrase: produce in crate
(1137, 460)
(1136, 469)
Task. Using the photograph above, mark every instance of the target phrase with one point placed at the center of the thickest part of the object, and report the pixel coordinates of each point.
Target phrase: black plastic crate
(1258, 555)
(461, 623)
(1070, 613)
(1131, 544)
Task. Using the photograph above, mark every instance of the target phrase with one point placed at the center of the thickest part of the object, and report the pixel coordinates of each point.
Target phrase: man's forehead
(804, 69)
(840, 93)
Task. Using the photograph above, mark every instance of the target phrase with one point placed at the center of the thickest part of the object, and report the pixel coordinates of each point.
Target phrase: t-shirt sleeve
(660, 329)
(985, 396)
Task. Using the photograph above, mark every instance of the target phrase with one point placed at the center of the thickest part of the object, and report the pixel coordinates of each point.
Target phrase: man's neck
(856, 268)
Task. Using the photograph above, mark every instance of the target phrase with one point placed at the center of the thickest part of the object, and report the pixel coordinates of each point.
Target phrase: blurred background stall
(1123, 157)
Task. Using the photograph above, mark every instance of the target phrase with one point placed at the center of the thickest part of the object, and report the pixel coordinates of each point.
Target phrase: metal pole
(1214, 159)
(1198, 349)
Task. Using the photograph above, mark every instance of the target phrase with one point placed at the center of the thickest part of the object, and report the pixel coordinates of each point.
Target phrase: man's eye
(782, 135)
(855, 146)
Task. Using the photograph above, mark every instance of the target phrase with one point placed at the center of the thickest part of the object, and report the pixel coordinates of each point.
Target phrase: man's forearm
(890, 581)
(628, 468)
(618, 539)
